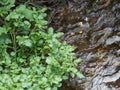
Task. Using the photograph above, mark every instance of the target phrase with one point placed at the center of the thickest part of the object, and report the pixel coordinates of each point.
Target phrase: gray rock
(108, 71)
(112, 78)
(112, 40)
(102, 87)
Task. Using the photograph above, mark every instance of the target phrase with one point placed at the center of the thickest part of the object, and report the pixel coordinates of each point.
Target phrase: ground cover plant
(31, 57)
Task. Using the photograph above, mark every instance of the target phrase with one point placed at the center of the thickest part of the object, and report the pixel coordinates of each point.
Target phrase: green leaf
(48, 61)
(48, 88)
(3, 30)
(77, 61)
(28, 43)
(43, 9)
(12, 53)
(58, 79)
(65, 77)
(80, 75)
(26, 84)
(1, 68)
(50, 30)
(27, 23)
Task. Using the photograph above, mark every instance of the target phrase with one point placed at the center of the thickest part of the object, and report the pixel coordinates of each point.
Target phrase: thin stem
(13, 36)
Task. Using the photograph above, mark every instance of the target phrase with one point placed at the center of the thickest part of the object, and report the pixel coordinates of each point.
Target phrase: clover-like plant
(31, 57)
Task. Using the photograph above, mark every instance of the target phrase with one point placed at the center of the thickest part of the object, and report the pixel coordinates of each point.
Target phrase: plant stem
(13, 36)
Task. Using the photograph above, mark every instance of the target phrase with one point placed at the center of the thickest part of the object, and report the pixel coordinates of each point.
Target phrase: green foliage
(31, 57)
(97, 0)
(63, 1)
(5, 6)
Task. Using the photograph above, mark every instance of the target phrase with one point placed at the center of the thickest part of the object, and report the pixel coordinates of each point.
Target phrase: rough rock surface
(94, 28)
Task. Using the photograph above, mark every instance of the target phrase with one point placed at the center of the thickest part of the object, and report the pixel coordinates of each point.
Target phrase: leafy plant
(31, 57)
(5, 6)
(97, 0)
